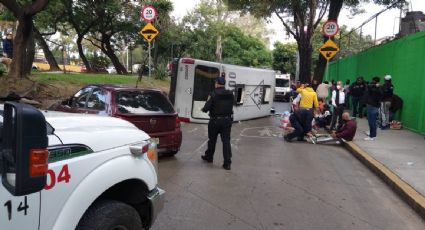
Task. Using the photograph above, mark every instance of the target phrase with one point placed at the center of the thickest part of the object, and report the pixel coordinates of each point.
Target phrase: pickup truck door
(19, 212)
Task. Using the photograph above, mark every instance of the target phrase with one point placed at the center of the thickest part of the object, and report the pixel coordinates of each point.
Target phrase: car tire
(108, 215)
(170, 153)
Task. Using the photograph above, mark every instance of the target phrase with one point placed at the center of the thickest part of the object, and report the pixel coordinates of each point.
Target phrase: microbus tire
(110, 214)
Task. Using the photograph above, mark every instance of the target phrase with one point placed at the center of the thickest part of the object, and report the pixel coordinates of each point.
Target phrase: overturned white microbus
(192, 80)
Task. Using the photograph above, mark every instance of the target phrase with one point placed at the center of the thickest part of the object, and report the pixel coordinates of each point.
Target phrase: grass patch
(81, 79)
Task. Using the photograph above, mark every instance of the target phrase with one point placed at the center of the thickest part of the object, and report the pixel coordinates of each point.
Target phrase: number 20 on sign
(148, 14)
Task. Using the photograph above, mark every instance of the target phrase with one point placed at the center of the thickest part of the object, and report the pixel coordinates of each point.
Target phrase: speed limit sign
(148, 13)
(330, 28)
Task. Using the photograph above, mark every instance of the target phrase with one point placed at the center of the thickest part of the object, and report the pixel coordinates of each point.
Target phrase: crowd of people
(328, 105)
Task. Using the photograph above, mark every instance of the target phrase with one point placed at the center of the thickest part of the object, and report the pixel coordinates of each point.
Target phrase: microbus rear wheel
(110, 215)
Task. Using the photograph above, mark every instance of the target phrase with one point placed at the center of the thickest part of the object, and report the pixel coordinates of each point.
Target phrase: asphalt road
(274, 185)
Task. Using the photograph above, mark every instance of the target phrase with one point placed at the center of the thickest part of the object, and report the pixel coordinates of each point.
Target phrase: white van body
(283, 87)
(193, 80)
(89, 156)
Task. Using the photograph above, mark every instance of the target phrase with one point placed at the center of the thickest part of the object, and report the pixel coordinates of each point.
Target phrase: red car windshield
(143, 102)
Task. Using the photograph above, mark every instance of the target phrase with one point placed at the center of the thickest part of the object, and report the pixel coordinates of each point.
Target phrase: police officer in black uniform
(220, 108)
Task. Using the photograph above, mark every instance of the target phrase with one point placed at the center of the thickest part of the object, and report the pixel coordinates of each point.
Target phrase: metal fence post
(376, 28)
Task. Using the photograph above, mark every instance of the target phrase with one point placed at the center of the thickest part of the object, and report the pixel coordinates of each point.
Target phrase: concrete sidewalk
(398, 157)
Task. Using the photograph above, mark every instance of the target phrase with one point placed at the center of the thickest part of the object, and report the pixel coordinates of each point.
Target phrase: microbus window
(266, 94)
(204, 81)
(239, 94)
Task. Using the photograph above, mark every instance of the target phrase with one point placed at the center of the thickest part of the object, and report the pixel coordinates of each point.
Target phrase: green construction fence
(404, 60)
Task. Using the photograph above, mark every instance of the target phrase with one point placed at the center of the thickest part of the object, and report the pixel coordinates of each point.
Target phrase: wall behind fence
(404, 60)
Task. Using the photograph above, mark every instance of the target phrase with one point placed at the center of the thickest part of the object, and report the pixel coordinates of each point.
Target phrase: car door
(78, 102)
(96, 101)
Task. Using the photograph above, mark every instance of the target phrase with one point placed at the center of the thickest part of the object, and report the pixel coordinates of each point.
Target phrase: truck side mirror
(24, 154)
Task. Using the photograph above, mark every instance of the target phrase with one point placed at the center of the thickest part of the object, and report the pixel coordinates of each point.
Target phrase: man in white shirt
(338, 103)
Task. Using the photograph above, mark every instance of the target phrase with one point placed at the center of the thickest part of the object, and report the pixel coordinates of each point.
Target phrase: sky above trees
(387, 22)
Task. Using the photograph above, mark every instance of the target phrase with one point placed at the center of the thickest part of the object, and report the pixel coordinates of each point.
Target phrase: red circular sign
(148, 13)
(330, 28)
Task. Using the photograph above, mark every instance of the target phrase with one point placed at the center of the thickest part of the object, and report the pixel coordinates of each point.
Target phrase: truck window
(282, 83)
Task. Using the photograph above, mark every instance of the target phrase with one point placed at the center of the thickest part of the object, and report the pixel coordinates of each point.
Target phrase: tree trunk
(23, 33)
(81, 52)
(29, 58)
(218, 51)
(334, 10)
(109, 51)
(305, 50)
(47, 53)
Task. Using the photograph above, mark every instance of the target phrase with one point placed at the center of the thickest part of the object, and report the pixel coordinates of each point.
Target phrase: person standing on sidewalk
(8, 46)
(387, 95)
(373, 99)
(357, 91)
(220, 108)
(322, 90)
(347, 94)
(338, 100)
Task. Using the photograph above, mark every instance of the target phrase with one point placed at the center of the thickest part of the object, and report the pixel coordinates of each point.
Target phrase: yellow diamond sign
(329, 49)
(149, 32)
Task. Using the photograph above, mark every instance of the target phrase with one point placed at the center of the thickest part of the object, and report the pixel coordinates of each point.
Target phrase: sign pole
(149, 61)
(149, 32)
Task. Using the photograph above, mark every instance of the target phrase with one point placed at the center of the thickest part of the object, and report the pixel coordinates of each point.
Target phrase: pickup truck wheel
(110, 215)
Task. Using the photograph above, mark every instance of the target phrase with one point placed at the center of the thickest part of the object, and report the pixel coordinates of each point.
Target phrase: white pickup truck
(65, 171)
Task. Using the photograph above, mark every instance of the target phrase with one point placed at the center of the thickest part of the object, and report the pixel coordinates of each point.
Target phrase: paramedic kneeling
(220, 108)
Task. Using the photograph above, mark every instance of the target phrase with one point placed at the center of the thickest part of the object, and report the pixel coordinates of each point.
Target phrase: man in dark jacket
(297, 123)
(8, 46)
(387, 96)
(357, 90)
(347, 130)
(373, 101)
(220, 108)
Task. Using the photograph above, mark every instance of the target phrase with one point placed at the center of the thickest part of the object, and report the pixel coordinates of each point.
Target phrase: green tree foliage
(284, 57)
(253, 26)
(202, 31)
(300, 19)
(238, 47)
(242, 49)
(23, 12)
(114, 27)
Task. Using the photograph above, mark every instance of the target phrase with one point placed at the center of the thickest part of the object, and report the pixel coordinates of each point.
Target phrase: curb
(407, 192)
